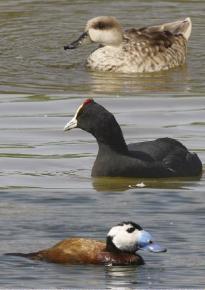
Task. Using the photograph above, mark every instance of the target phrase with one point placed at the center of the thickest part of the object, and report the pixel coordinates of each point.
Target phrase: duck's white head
(130, 237)
(104, 30)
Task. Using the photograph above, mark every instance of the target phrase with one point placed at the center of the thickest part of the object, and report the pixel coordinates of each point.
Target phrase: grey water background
(46, 192)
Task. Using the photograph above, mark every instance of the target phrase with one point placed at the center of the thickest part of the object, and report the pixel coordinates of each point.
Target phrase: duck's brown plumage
(82, 251)
(161, 40)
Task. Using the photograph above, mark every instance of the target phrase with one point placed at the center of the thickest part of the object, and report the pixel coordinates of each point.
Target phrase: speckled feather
(140, 53)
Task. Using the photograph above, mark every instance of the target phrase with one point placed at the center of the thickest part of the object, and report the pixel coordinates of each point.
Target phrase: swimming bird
(122, 244)
(163, 157)
(147, 49)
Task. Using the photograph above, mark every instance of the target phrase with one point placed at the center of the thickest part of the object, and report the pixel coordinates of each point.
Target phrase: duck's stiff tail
(33, 255)
(183, 27)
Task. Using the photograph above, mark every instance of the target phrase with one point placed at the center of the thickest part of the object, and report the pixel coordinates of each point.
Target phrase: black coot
(163, 157)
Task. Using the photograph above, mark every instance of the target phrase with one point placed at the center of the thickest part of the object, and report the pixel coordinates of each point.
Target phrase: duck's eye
(150, 242)
(130, 230)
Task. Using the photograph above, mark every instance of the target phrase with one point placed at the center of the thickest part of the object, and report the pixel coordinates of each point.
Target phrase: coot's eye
(150, 241)
(131, 230)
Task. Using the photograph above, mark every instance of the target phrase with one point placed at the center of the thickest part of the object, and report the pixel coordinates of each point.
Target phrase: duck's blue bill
(155, 248)
(146, 243)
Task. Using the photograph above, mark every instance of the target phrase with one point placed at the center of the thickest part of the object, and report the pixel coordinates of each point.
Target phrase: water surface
(46, 190)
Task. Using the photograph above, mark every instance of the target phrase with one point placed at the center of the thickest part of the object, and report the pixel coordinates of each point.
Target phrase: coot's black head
(130, 237)
(95, 119)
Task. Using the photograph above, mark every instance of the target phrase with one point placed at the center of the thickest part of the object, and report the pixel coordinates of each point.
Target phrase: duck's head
(104, 30)
(129, 237)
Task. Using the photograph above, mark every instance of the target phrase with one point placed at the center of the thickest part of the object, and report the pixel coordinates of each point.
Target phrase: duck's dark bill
(83, 39)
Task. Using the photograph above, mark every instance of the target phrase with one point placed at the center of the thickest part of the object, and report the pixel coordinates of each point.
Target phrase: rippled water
(46, 190)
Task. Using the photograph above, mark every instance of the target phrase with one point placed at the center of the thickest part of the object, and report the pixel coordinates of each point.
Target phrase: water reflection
(123, 184)
(155, 82)
(125, 277)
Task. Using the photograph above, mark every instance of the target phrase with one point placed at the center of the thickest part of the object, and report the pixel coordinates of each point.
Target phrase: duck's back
(71, 251)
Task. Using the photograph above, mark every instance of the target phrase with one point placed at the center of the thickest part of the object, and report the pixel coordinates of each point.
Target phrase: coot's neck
(112, 140)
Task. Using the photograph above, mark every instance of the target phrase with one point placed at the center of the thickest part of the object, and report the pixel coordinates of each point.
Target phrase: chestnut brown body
(83, 251)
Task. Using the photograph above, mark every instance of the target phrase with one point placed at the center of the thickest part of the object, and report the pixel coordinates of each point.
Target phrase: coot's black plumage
(164, 157)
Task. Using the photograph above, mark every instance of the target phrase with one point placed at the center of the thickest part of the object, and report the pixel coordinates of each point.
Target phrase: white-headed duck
(147, 49)
(121, 248)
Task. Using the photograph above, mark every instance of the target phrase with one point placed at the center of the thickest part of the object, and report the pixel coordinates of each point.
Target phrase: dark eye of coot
(130, 230)
(150, 242)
